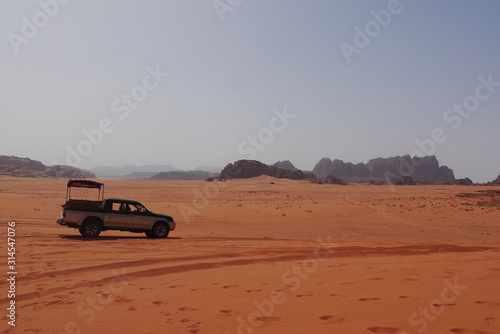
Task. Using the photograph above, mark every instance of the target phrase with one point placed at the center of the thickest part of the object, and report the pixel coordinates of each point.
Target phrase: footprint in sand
(490, 321)
(332, 319)
(480, 302)
(408, 297)
(176, 286)
(375, 279)
(411, 279)
(337, 295)
(228, 313)
(368, 299)
(309, 295)
(187, 309)
(257, 290)
(385, 330)
(467, 331)
(132, 308)
(123, 300)
(194, 328)
(439, 305)
(231, 286)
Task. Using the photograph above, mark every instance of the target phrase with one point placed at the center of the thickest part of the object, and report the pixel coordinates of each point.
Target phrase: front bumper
(171, 225)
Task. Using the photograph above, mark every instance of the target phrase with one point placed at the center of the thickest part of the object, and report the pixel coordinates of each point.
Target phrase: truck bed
(83, 204)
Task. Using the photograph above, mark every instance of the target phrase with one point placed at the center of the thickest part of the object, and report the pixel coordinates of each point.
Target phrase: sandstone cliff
(243, 169)
(424, 169)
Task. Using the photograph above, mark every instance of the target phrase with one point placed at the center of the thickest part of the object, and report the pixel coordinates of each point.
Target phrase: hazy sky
(187, 82)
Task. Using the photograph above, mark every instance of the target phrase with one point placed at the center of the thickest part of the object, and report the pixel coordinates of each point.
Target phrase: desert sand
(261, 255)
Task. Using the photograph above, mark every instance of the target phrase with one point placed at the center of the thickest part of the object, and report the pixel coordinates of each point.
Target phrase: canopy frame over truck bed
(84, 184)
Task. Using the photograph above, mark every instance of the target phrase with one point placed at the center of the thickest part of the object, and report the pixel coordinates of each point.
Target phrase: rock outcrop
(331, 179)
(403, 181)
(22, 163)
(285, 164)
(464, 182)
(244, 169)
(24, 167)
(496, 182)
(425, 170)
(340, 168)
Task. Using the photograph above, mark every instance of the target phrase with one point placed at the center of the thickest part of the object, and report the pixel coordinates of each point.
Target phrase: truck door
(139, 217)
(116, 215)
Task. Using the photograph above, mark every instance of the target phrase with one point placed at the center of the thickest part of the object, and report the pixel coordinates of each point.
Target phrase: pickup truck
(92, 217)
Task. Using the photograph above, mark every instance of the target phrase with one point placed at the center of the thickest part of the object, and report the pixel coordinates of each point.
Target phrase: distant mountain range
(379, 170)
(404, 170)
(396, 170)
(111, 171)
(154, 172)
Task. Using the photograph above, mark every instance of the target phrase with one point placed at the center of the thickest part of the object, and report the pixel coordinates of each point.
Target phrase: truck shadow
(78, 237)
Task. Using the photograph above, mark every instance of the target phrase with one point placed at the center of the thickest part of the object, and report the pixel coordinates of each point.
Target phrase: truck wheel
(160, 230)
(90, 229)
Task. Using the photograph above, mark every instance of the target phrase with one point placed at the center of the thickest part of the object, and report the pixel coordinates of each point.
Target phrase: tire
(160, 230)
(91, 229)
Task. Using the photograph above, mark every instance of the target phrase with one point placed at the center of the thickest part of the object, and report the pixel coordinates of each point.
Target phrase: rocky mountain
(24, 167)
(330, 179)
(464, 182)
(340, 168)
(424, 169)
(285, 164)
(496, 182)
(181, 175)
(22, 163)
(243, 169)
